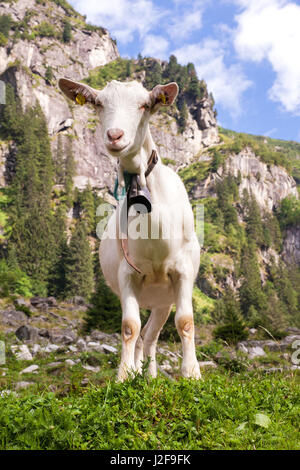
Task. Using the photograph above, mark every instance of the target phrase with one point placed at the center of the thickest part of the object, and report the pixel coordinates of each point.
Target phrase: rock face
(181, 148)
(291, 246)
(24, 63)
(87, 49)
(268, 183)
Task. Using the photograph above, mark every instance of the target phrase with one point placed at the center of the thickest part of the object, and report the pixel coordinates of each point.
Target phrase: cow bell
(138, 195)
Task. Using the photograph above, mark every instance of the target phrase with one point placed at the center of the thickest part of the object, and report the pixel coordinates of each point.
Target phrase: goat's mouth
(115, 147)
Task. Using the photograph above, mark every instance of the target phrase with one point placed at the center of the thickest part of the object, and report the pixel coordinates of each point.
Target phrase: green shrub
(3, 40)
(45, 29)
(14, 281)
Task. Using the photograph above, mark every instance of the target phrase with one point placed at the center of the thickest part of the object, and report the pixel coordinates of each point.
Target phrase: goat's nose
(115, 134)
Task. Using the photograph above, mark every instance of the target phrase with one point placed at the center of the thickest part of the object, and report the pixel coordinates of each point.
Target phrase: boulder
(108, 349)
(257, 351)
(31, 369)
(27, 333)
(22, 352)
(12, 317)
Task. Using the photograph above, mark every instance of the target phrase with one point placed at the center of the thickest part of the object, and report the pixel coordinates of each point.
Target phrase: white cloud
(155, 46)
(122, 18)
(270, 30)
(227, 83)
(182, 26)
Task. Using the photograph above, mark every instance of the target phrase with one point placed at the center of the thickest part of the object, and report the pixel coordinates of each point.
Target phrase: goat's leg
(183, 288)
(150, 334)
(139, 354)
(131, 323)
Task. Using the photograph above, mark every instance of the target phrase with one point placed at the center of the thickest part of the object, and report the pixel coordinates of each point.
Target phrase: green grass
(221, 412)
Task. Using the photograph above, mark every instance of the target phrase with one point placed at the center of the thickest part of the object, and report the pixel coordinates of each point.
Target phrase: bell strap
(124, 241)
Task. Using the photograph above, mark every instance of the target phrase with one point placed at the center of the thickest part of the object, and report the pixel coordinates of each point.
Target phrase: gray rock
(51, 301)
(50, 348)
(256, 351)
(22, 352)
(54, 364)
(78, 300)
(207, 364)
(35, 348)
(27, 333)
(81, 344)
(94, 346)
(90, 368)
(44, 333)
(23, 384)
(97, 335)
(241, 347)
(108, 349)
(69, 362)
(252, 331)
(12, 317)
(22, 302)
(31, 369)
(289, 340)
(62, 335)
(166, 367)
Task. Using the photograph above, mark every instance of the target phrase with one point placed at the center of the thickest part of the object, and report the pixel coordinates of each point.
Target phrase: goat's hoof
(192, 372)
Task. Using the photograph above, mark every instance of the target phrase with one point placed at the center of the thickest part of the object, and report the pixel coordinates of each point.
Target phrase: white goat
(168, 263)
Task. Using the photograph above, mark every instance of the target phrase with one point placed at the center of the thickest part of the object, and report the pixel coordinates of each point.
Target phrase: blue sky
(248, 52)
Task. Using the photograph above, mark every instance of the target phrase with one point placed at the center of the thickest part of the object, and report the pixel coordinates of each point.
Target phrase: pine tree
(57, 274)
(49, 74)
(11, 117)
(105, 313)
(87, 203)
(79, 264)
(59, 161)
(69, 172)
(251, 289)
(183, 116)
(171, 69)
(254, 226)
(67, 32)
(30, 211)
(128, 68)
(233, 328)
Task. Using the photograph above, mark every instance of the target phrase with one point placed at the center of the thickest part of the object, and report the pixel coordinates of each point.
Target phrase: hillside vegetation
(222, 412)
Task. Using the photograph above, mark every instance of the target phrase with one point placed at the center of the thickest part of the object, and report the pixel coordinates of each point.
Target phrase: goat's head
(124, 110)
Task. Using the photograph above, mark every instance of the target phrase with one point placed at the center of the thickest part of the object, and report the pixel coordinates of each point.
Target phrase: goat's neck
(138, 163)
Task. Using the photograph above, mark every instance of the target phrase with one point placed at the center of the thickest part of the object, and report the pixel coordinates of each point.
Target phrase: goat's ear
(78, 92)
(163, 95)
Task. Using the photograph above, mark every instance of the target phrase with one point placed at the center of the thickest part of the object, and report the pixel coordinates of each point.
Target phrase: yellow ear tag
(80, 99)
(162, 98)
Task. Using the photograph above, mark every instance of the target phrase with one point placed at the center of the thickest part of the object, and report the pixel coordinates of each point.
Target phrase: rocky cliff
(268, 183)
